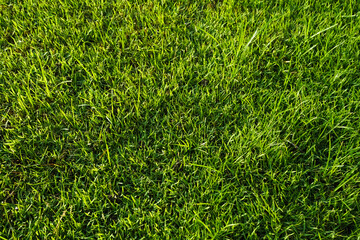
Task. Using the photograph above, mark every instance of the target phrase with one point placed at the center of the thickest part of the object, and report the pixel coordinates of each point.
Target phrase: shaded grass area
(179, 119)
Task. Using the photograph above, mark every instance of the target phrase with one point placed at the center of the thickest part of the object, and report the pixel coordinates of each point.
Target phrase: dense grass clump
(180, 119)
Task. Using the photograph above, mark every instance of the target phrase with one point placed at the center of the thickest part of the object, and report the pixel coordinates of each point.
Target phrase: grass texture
(179, 119)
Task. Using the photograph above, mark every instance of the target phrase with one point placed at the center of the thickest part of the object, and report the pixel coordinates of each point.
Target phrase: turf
(179, 119)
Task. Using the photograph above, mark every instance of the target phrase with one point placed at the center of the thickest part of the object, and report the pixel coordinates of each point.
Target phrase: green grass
(179, 119)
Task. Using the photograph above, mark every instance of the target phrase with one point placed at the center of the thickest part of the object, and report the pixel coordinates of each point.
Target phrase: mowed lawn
(179, 119)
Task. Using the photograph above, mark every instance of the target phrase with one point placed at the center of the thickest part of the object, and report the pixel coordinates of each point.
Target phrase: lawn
(179, 119)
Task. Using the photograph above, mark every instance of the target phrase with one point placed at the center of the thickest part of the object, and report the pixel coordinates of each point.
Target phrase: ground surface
(179, 119)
